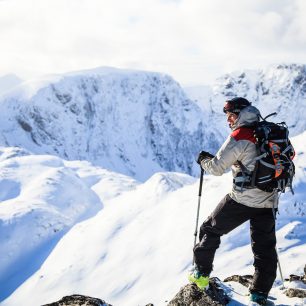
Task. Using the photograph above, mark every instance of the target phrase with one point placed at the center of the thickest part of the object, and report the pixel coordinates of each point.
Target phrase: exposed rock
(245, 280)
(294, 277)
(79, 300)
(294, 292)
(190, 295)
(24, 125)
(301, 278)
(297, 292)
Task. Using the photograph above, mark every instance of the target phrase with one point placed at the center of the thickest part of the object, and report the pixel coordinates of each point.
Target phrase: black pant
(227, 216)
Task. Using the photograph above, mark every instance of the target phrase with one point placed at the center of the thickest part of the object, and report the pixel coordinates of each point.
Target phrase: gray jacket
(240, 146)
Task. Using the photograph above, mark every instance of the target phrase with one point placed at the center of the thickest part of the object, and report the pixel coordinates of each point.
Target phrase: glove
(204, 155)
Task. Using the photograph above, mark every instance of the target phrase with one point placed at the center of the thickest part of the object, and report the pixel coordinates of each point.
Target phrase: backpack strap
(290, 147)
(261, 156)
(254, 174)
(268, 164)
(246, 176)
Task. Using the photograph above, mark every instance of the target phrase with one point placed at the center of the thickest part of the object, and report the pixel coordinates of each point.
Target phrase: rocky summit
(190, 295)
(79, 300)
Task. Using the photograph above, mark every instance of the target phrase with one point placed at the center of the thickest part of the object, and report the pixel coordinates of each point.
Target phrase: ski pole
(278, 261)
(198, 210)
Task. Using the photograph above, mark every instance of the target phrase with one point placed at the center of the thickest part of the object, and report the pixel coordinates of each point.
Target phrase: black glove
(204, 155)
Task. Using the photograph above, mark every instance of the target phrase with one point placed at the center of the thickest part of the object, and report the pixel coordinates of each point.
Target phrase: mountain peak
(136, 123)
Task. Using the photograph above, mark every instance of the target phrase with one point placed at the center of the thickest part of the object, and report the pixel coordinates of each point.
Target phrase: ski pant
(227, 216)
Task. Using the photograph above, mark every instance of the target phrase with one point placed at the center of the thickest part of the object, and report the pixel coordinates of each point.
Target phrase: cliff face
(132, 122)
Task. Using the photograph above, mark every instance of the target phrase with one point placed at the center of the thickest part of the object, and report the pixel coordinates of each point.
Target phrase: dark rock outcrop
(297, 292)
(301, 278)
(79, 300)
(245, 280)
(190, 295)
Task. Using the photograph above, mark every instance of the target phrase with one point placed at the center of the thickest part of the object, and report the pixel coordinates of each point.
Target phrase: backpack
(274, 167)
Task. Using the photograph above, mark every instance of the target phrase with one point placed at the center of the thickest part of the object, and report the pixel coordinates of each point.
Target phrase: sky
(194, 41)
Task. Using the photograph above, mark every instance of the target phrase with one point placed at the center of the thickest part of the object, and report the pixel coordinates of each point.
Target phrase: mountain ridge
(279, 88)
(134, 123)
(138, 123)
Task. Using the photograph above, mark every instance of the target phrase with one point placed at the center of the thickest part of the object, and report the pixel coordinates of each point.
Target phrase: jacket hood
(247, 116)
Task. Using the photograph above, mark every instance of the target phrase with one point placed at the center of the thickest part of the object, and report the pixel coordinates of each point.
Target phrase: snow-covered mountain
(71, 222)
(137, 123)
(277, 88)
(132, 122)
(38, 206)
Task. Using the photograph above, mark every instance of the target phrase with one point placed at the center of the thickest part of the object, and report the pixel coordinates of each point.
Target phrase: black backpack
(274, 169)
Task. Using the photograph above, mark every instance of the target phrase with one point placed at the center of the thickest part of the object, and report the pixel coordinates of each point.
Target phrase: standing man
(243, 203)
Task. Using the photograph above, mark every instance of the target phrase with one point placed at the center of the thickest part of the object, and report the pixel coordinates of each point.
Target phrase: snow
(132, 122)
(70, 224)
(277, 296)
(135, 249)
(38, 206)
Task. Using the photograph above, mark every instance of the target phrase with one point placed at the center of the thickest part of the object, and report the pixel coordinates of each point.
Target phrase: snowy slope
(56, 235)
(138, 249)
(132, 122)
(38, 206)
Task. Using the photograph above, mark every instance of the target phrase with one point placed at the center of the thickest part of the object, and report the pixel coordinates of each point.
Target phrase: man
(243, 203)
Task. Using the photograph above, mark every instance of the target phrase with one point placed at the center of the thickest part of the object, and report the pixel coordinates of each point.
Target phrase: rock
(294, 277)
(294, 292)
(79, 300)
(301, 278)
(245, 280)
(297, 292)
(190, 295)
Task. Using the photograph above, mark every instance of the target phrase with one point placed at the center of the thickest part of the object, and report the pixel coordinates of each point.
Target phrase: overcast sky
(193, 40)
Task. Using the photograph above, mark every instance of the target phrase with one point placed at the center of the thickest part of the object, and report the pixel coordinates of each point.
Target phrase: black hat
(235, 105)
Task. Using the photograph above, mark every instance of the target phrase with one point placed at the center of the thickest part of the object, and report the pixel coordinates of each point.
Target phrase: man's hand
(204, 155)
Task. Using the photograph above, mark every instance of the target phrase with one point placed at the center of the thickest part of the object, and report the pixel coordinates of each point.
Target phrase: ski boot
(199, 279)
(257, 299)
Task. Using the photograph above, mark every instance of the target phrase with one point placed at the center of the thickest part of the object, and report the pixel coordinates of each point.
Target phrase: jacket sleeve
(227, 155)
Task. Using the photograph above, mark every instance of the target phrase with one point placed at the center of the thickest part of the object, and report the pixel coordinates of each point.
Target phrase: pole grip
(201, 182)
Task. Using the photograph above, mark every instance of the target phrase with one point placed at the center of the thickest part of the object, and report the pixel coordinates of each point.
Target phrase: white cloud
(193, 40)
